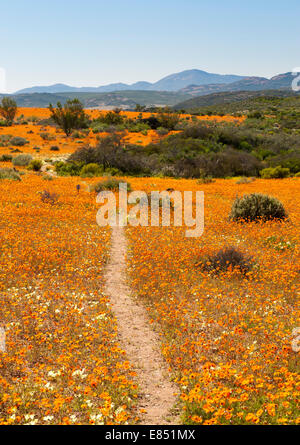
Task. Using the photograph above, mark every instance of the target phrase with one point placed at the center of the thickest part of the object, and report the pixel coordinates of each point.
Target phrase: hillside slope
(225, 98)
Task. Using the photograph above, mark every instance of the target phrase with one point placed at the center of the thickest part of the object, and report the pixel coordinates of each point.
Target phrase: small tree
(167, 118)
(140, 108)
(70, 116)
(8, 110)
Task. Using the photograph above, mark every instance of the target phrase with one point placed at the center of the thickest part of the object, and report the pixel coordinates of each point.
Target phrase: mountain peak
(194, 79)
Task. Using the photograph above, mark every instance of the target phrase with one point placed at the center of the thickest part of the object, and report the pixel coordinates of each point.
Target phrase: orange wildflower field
(62, 363)
(226, 337)
(43, 136)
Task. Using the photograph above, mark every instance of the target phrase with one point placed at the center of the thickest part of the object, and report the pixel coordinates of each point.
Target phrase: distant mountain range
(174, 82)
(282, 81)
(171, 90)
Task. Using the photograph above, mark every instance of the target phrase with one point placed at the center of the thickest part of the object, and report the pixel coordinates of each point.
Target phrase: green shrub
(275, 173)
(297, 175)
(111, 184)
(22, 160)
(5, 140)
(35, 165)
(54, 148)
(91, 170)
(6, 158)
(111, 171)
(161, 131)
(228, 258)
(33, 119)
(255, 115)
(48, 178)
(257, 207)
(8, 110)
(9, 173)
(68, 168)
(47, 136)
(113, 117)
(18, 141)
(70, 116)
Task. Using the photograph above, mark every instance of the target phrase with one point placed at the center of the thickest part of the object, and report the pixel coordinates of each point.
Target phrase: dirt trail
(139, 341)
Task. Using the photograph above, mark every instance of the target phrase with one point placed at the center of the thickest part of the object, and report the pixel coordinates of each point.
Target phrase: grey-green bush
(22, 160)
(256, 207)
(18, 141)
(6, 158)
(9, 173)
(109, 184)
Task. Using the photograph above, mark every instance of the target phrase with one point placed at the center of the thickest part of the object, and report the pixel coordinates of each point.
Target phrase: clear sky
(95, 42)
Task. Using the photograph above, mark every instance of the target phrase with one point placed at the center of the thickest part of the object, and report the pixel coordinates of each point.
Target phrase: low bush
(245, 180)
(18, 141)
(9, 173)
(48, 178)
(229, 258)
(161, 131)
(35, 165)
(68, 168)
(22, 160)
(5, 140)
(111, 184)
(275, 173)
(113, 117)
(6, 158)
(47, 136)
(48, 197)
(91, 170)
(256, 207)
(152, 122)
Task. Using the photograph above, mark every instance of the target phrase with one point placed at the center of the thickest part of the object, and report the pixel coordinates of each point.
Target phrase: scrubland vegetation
(224, 305)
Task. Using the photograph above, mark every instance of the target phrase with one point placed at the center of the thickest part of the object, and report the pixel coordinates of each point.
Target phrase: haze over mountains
(173, 82)
(175, 89)
(193, 82)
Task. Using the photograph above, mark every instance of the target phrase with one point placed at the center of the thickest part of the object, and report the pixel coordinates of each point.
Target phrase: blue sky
(95, 42)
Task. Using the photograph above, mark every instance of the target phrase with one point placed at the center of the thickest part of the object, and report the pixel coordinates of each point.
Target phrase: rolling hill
(224, 99)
